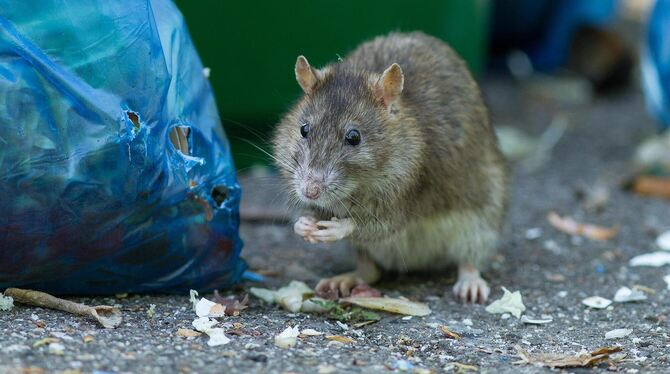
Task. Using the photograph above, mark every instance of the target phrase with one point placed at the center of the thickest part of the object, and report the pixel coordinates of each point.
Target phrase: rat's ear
(305, 75)
(389, 86)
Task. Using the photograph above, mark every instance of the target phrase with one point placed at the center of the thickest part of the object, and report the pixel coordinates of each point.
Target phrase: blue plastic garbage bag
(656, 63)
(115, 174)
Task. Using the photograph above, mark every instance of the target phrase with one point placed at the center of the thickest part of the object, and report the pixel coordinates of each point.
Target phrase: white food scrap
(310, 332)
(289, 297)
(618, 333)
(597, 302)
(663, 241)
(510, 302)
(208, 308)
(531, 321)
(6, 302)
(655, 259)
(216, 334)
(625, 294)
(287, 338)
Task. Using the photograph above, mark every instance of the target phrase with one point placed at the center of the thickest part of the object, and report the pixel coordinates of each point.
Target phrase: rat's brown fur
(427, 185)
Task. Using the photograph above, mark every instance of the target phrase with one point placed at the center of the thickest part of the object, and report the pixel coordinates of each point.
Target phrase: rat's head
(335, 140)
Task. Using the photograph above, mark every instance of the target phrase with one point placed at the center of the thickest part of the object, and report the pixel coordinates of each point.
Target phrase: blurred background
(577, 50)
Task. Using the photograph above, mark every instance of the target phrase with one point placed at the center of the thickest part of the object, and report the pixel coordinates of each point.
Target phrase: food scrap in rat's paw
(392, 148)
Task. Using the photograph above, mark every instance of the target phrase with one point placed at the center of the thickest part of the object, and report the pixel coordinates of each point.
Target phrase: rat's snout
(312, 190)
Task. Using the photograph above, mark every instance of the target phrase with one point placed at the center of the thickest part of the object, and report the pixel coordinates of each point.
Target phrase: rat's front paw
(332, 231)
(470, 287)
(304, 226)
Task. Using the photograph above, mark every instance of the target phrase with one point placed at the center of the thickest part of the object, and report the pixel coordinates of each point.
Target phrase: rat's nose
(312, 191)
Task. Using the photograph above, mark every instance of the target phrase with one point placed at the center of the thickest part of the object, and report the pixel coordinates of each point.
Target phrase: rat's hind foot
(341, 284)
(470, 286)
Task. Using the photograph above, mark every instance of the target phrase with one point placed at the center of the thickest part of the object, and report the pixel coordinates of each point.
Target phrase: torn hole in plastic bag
(134, 118)
(180, 137)
(219, 194)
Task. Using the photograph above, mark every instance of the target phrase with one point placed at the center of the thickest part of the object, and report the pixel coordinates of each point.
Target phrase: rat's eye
(304, 130)
(353, 137)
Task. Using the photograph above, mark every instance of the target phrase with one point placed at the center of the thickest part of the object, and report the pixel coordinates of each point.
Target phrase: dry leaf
(391, 305)
(44, 341)
(554, 360)
(572, 227)
(188, 333)
(449, 334)
(651, 186)
(341, 339)
(461, 367)
(233, 304)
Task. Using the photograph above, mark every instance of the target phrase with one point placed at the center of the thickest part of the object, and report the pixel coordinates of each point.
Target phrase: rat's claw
(342, 283)
(470, 287)
(305, 226)
(334, 230)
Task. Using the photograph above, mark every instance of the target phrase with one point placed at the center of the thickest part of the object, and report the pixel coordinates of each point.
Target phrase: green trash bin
(251, 47)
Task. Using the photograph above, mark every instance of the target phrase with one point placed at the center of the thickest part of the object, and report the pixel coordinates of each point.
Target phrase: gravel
(553, 271)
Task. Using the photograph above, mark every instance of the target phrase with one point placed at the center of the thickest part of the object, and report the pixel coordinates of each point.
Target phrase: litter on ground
(625, 294)
(572, 227)
(287, 338)
(107, 316)
(654, 259)
(618, 333)
(558, 360)
(510, 302)
(6, 302)
(597, 302)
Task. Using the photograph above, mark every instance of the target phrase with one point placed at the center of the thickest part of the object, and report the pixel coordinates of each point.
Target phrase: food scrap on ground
(216, 335)
(6, 302)
(287, 338)
(310, 332)
(597, 302)
(107, 316)
(654, 259)
(663, 241)
(572, 227)
(534, 321)
(510, 302)
(289, 297)
(557, 360)
(625, 294)
(618, 333)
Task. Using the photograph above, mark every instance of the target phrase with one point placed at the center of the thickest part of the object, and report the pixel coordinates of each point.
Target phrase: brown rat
(392, 147)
